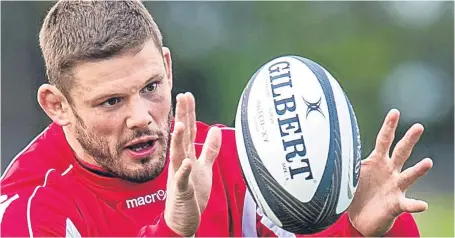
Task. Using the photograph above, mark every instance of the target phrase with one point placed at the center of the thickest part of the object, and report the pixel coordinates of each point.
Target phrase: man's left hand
(381, 195)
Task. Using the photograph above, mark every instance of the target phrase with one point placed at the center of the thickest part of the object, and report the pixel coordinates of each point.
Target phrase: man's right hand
(189, 180)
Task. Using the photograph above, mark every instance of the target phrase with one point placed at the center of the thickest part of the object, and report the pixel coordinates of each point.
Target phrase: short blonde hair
(80, 30)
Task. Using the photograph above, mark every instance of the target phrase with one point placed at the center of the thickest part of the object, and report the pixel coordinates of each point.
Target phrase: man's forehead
(128, 69)
(94, 89)
(117, 76)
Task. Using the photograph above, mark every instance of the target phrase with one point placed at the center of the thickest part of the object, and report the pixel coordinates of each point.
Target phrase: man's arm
(404, 226)
(158, 229)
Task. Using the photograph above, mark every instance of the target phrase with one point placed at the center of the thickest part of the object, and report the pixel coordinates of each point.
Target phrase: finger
(181, 113)
(387, 133)
(177, 153)
(182, 176)
(191, 119)
(412, 205)
(412, 174)
(180, 107)
(405, 146)
(211, 146)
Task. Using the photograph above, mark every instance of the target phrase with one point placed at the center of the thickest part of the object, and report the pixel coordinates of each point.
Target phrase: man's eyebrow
(154, 77)
(103, 96)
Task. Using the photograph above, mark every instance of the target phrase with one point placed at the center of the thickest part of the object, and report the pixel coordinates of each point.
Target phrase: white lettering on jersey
(159, 195)
(4, 203)
(71, 230)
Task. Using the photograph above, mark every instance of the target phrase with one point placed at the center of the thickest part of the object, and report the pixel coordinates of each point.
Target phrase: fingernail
(394, 110)
(419, 125)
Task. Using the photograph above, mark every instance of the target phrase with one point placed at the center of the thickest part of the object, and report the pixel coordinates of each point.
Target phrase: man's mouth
(142, 147)
(138, 147)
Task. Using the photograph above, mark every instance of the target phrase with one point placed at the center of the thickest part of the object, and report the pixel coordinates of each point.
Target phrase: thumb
(211, 147)
(413, 206)
(182, 176)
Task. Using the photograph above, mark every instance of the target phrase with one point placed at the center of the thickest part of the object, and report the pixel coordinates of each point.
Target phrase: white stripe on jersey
(271, 226)
(71, 230)
(227, 128)
(5, 202)
(250, 210)
(249, 217)
(29, 204)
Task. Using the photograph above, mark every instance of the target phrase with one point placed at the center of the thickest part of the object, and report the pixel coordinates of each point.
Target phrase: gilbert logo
(159, 195)
(313, 106)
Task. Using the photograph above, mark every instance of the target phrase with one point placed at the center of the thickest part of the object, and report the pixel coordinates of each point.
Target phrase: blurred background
(385, 55)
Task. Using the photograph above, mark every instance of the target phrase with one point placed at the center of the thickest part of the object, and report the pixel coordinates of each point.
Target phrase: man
(115, 161)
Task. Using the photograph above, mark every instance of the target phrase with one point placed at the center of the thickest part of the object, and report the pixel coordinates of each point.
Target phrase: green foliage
(438, 220)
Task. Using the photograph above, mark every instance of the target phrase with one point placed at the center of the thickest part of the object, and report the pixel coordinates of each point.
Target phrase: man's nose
(140, 116)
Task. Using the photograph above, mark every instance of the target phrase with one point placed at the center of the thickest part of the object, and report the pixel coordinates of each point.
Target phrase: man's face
(122, 112)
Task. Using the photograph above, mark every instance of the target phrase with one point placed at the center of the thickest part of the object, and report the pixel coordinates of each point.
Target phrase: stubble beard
(110, 159)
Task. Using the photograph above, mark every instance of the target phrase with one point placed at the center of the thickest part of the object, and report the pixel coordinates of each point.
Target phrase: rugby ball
(298, 144)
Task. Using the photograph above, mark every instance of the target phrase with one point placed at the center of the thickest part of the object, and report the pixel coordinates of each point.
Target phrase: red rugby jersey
(47, 192)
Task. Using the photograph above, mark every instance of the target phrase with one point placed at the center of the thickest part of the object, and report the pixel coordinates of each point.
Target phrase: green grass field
(438, 220)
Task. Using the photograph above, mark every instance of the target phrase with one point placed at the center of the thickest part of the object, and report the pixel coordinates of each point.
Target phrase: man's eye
(111, 102)
(151, 87)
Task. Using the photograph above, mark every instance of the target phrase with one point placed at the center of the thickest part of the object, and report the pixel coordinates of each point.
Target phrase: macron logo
(159, 195)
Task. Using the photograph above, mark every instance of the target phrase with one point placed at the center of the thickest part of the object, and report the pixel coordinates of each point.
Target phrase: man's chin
(142, 170)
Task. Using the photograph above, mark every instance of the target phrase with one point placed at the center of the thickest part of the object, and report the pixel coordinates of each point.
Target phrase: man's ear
(54, 104)
(168, 64)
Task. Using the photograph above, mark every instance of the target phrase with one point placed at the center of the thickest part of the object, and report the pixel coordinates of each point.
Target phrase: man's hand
(189, 180)
(380, 197)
